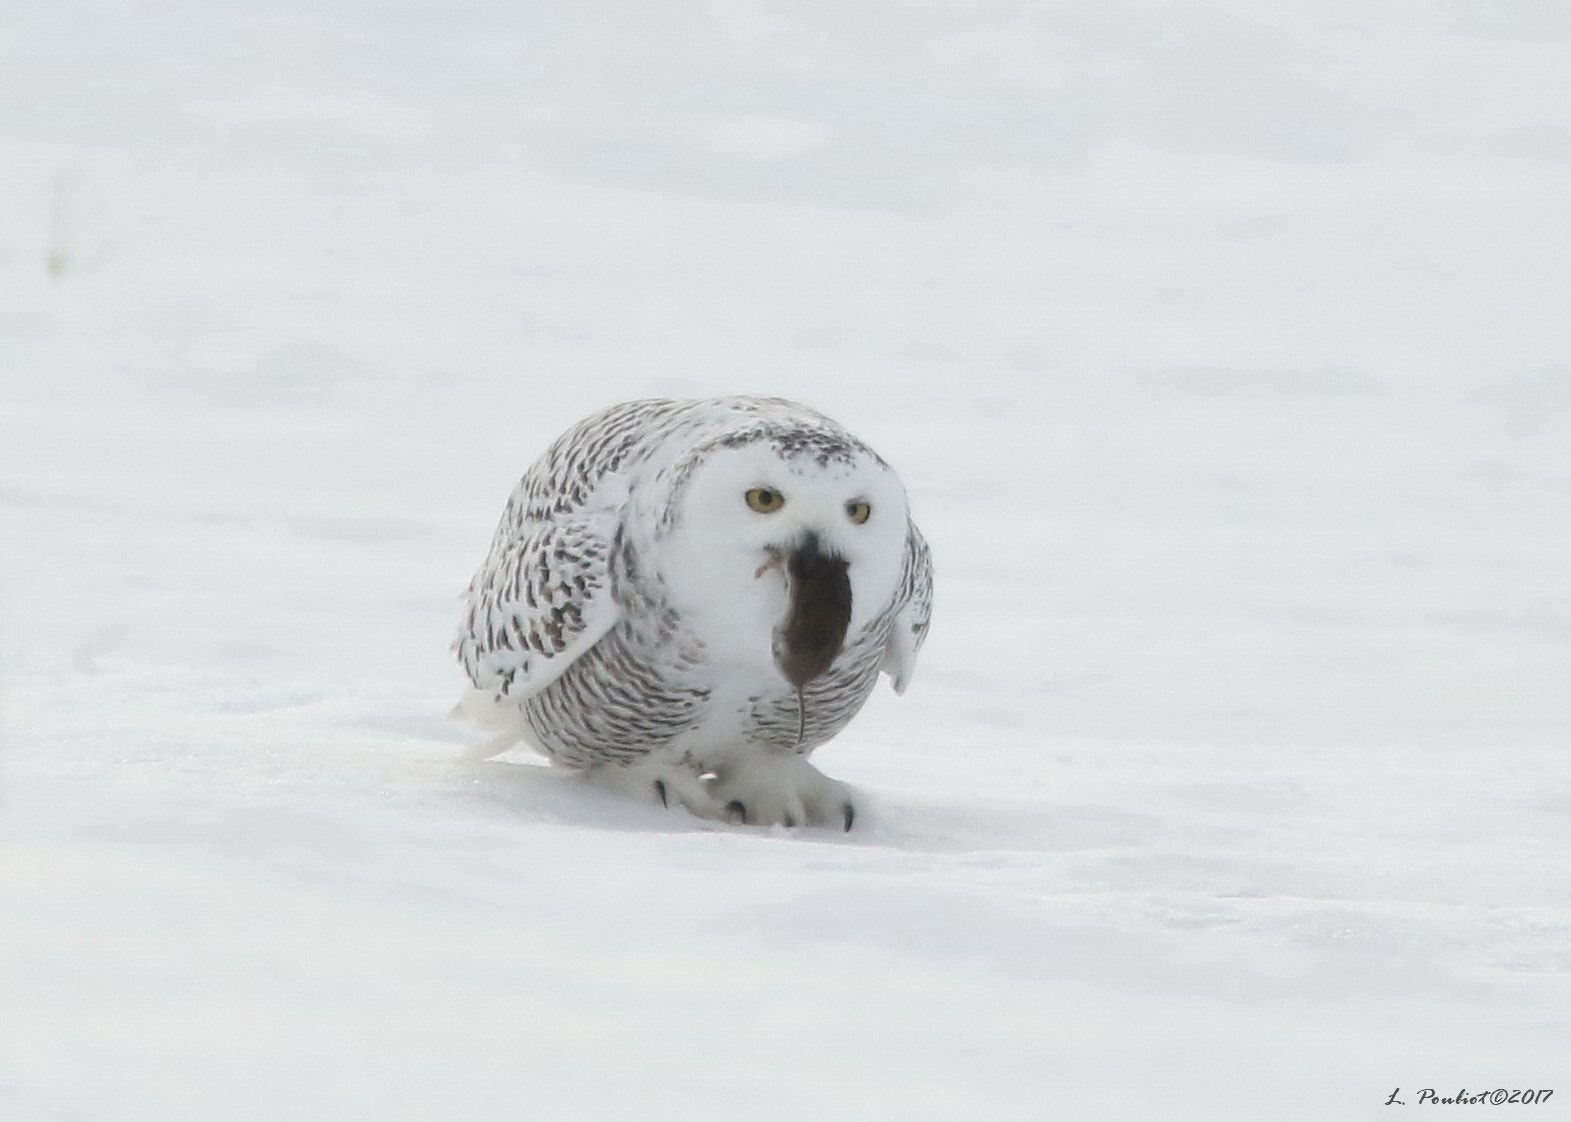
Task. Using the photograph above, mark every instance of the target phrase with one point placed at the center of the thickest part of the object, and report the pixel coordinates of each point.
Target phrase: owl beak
(813, 631)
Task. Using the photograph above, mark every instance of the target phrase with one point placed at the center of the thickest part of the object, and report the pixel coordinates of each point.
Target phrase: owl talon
(781, 790)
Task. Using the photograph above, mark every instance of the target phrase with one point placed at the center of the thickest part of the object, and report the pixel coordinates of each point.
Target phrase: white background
(1223, 348)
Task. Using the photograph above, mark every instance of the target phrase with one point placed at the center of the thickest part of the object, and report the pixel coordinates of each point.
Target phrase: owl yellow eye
(858, 511)
(765, 500)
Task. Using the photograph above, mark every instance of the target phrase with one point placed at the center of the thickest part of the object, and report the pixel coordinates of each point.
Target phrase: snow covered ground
(1223, 347)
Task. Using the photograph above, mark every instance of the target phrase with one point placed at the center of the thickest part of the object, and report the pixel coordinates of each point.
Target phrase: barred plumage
(642, 614)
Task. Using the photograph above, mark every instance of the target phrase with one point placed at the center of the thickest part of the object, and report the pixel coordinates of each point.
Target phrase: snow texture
(1223, 348)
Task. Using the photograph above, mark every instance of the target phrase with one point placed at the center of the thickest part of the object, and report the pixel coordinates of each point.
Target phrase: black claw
(660, 790)
(736, 812)
(850, 813)
(790, 823)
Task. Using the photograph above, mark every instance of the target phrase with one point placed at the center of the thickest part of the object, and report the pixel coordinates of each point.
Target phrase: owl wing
(915, 600)
(545, 594)
(542, 599)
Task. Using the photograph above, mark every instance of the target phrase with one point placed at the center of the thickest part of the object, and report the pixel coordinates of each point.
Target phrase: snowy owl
(685, 598)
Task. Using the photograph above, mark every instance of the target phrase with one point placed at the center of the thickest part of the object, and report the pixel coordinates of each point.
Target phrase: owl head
(782, 540)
